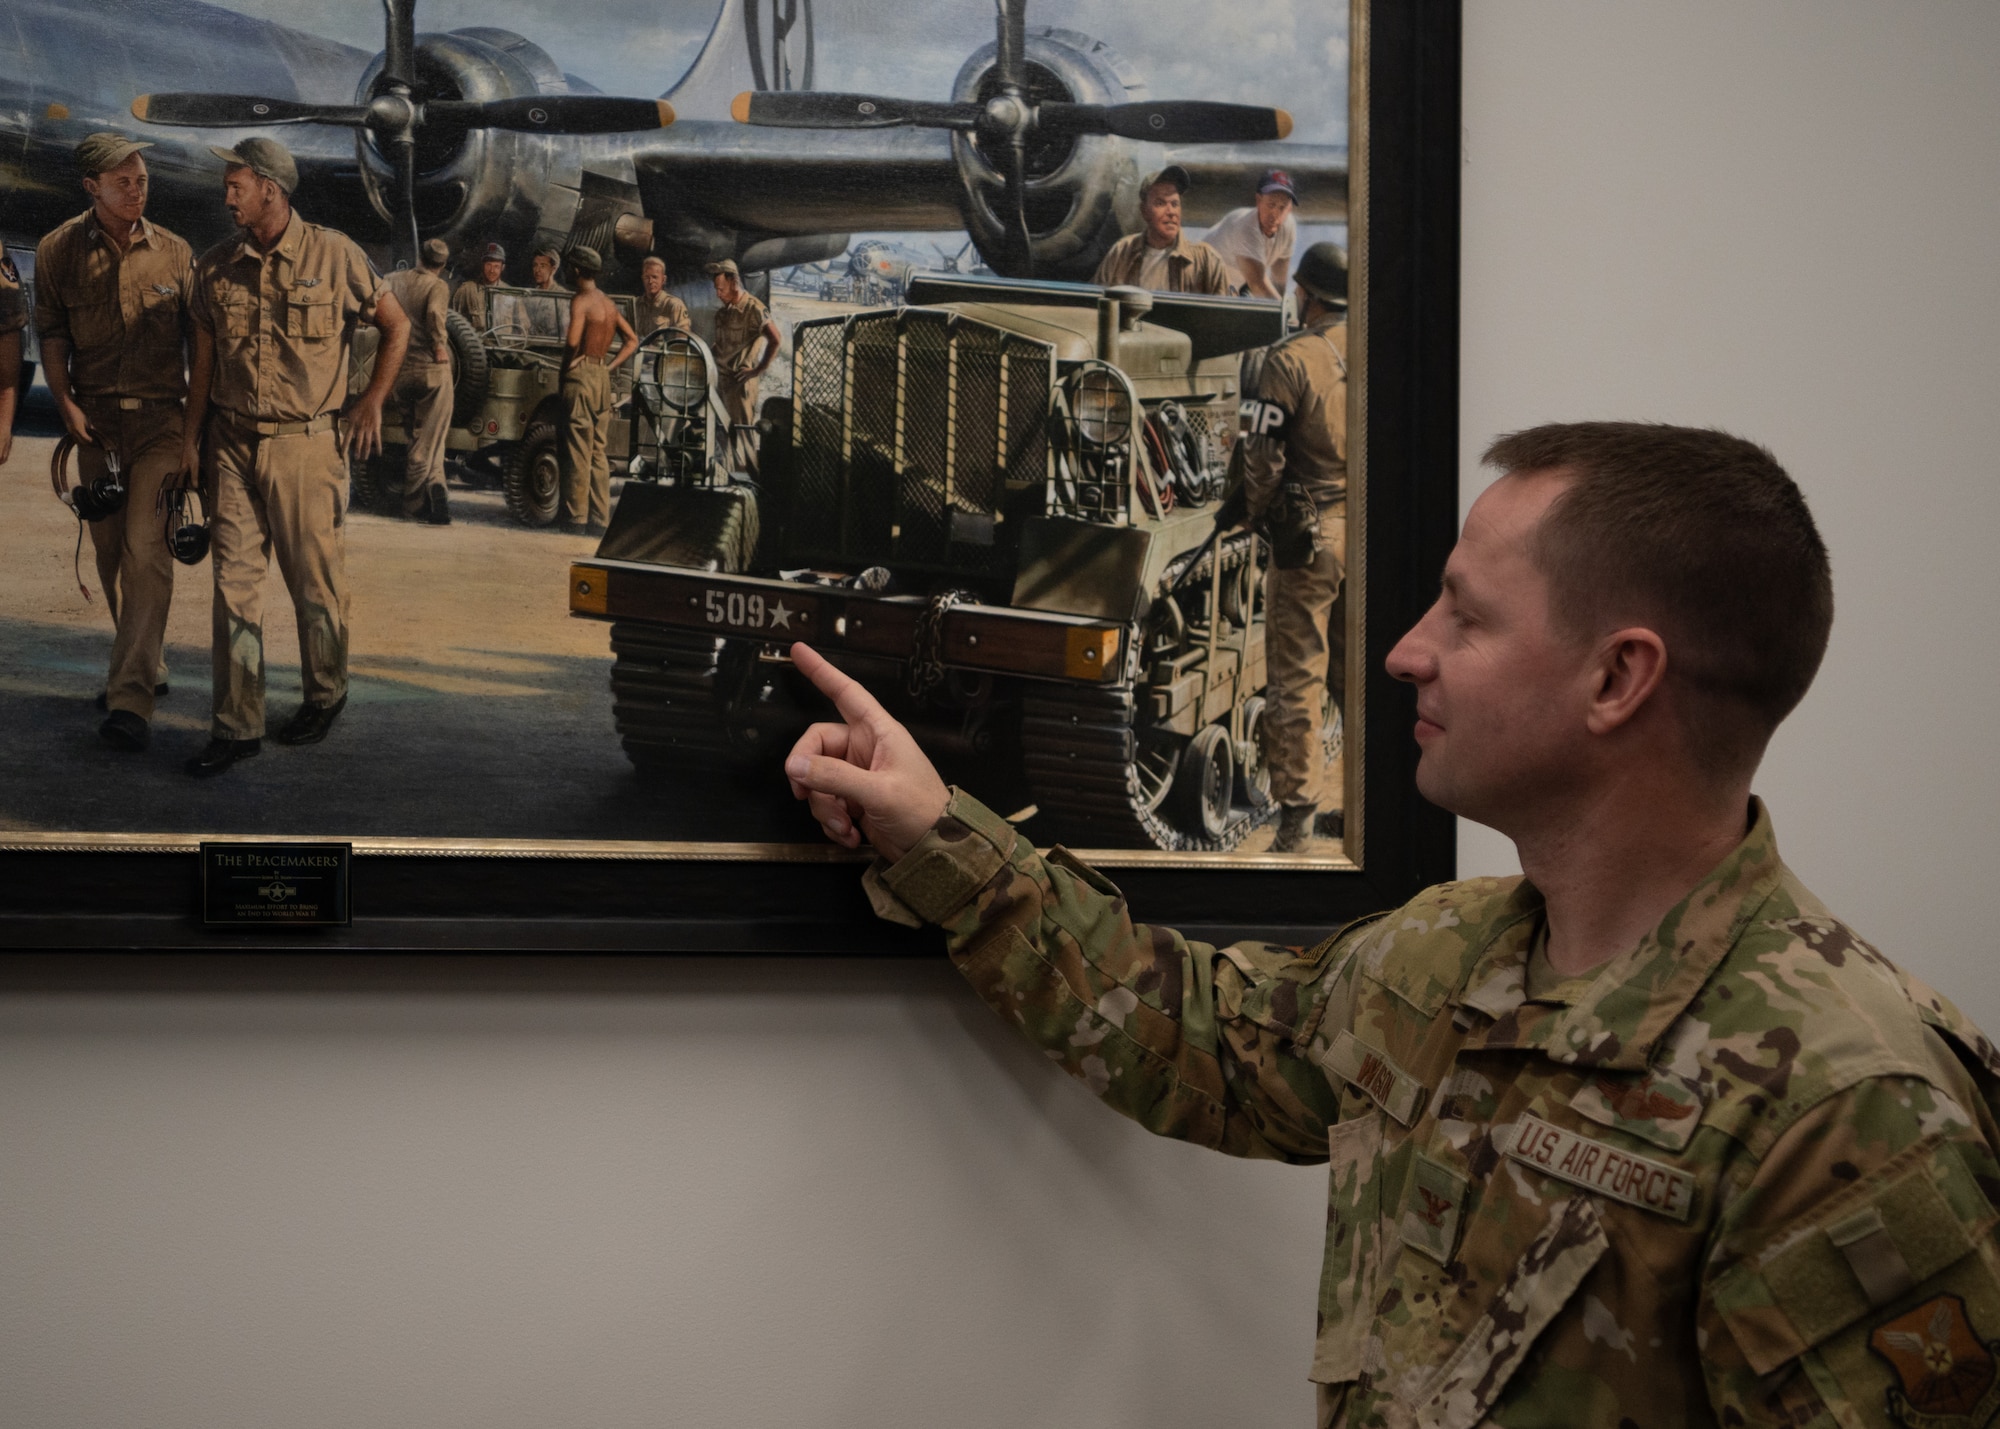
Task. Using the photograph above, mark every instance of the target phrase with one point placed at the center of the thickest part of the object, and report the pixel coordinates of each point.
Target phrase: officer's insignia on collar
(8, 270)
(1947, 1372)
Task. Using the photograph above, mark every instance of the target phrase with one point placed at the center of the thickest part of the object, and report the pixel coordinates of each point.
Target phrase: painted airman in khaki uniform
(111, 300)
(1646, 1136)
(272, 313)
(1160, 256)
(740, 322)
(468, 299)
(586, 395)
(423, 388)
(1296, 427)
(658, 308)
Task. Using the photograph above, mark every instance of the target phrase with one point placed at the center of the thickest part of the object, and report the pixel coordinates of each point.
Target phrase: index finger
(849, 695)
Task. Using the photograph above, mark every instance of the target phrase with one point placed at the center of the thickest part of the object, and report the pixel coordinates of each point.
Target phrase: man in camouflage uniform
(111, 302)
(740, 323)
(1646, 1137)
(272, 311)
(13, 318)
(1296, 428)
(423, 390)
(658, 308)
(1159, 256)
(468, 299)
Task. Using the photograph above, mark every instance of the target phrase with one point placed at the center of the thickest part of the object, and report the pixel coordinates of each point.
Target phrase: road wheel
(469, 372)
(1205, 783)
(375, 484)
(1253, 775)
(534, 477)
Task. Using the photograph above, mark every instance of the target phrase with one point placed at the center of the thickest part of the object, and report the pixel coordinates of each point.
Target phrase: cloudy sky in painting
(1291, 53)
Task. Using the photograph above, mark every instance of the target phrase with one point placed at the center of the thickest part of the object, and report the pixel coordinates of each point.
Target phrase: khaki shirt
(124, 315)
(469, 298)
(13, 307)
(1745, 1175)
(1191, 267)
(280, 321)
(654, 313)
(424, 297)
(737, 325)
(1298, 419)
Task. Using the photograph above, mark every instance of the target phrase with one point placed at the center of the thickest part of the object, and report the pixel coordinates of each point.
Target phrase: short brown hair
(1701, 536)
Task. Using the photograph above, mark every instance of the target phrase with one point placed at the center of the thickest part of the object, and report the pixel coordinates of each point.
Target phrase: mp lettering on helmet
(1255, 418)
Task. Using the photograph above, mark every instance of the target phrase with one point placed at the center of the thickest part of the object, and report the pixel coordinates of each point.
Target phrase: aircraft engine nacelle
(1075, 182)
(475, 185)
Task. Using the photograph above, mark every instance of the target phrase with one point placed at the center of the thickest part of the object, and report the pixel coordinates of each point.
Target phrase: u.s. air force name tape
(1596, 1166)
(1381, 1080)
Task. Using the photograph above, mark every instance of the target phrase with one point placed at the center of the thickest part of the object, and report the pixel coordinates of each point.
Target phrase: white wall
(714, 1194)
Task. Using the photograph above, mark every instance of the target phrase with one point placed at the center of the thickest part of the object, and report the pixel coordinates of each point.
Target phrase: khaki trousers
(134, 566)
(288, 495)
(586, 468)
(422, 395)
(739, 400)
(1301, 642)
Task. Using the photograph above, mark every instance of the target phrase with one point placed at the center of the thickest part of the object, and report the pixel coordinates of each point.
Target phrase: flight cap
(266, 158)
(1322, 272)
(727, 265)
(436, 253)
(105, 150)
(1172, 174)
(585, 260)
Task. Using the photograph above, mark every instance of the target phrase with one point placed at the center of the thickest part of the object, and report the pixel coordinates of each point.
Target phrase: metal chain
(927, 658)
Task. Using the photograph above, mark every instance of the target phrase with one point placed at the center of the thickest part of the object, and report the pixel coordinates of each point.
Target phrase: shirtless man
(586, 396)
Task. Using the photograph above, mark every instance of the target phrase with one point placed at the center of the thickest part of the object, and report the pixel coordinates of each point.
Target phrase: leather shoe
(219, 754)
(439, 507)
(310, 724)
(124, 730)
(1295, 829)
(103, 700)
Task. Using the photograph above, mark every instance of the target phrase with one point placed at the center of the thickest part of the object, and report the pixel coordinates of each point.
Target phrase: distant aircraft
(701, 189)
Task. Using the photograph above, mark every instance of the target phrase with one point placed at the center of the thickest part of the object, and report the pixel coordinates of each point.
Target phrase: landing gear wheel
(1205, 783)
(534, 477)
(1253, 775)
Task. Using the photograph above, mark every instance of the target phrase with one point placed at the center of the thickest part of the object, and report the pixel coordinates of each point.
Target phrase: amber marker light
(1090, 654)
(588, 588)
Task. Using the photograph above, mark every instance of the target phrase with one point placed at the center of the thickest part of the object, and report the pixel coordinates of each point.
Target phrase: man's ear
(1628, 669)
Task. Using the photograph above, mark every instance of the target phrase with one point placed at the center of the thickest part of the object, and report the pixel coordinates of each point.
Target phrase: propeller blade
(555, 114)
(1169, 121)
(813, 109)
(399, 55)
(1010, 59)
(1017, 196)
(240, 111)
(406, 198)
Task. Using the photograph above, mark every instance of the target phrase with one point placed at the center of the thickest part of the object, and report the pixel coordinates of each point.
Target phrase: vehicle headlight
(681, 374)
(1101, 404)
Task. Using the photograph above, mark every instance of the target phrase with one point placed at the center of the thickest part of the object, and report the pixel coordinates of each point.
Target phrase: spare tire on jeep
(469, 371)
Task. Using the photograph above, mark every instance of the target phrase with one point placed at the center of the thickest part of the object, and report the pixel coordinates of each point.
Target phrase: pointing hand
(864, 777)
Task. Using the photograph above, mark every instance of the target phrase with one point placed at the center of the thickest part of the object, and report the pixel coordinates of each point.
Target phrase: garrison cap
(727, 265)
(549, 250)
(584, 259)
(266, 158)
(1322, 271)
(105, 150)
(493, 253)
(1172, 174)
(436, 252)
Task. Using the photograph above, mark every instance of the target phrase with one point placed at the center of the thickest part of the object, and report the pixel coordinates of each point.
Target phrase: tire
(1205, 784)
(376, 484)
(534, 477)
(470, 375)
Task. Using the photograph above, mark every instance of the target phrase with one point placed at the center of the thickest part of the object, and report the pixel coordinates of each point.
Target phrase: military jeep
(506, 419)
(995, 507)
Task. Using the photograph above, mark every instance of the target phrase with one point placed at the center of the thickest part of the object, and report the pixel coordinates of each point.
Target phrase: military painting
(434, 421)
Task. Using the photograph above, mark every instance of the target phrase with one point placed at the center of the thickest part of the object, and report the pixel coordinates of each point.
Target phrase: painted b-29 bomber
(995, 507)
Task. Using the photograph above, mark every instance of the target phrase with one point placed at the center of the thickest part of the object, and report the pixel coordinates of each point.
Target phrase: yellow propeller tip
(1284, 124)
(140, 105)
(666, 113)
(739, 107)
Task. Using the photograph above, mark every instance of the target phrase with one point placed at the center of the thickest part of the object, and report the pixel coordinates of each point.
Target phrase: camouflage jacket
(1745, 1177)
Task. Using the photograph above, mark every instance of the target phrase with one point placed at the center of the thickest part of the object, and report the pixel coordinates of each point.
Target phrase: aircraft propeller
(1005, 122)
(395, 116)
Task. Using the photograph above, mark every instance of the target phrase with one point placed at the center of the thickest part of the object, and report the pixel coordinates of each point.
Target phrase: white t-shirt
(1238, 237)
(1153, 268)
